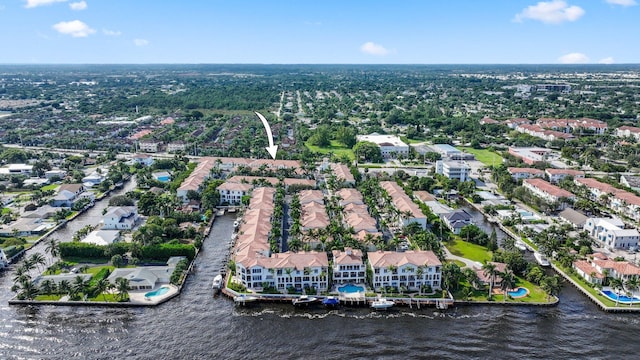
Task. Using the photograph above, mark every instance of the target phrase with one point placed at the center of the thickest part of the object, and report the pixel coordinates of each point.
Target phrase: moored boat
(520, 245)
(541, 259)
(243, 299)
(217, 282)
(382, 304)
(304, 300)
(330, 301)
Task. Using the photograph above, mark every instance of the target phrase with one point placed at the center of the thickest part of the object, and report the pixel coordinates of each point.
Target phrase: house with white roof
(120, 218)
(611, 233)
(348, 266)
(102, 237)
(410, 269)
(453, 170)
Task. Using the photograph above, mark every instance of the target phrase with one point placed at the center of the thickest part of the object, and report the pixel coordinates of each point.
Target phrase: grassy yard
(336, 148)
(49, 187)
(484, 156)
(55, 297)
(536, 294)
(468, 250)
(105, 297)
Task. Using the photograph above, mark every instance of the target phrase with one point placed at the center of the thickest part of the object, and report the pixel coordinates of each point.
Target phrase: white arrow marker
(272, 149)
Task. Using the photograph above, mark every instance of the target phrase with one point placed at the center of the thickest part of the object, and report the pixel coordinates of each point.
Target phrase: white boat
(541, 259)
(243, 299)
(304, 300)
(220, 212)
(382, 304)
(520, 245)
(217, 282)
(236, 224)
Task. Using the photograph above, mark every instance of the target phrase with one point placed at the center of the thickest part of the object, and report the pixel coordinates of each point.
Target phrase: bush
(165, 251)
(81, 250)
(237, 287)
(181, 267)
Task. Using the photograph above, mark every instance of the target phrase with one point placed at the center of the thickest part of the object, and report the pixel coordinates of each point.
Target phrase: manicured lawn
(49, 187)
(6, 211)
(336, 148)
(458, 262)
(536, 294)
(468, 250)
(48, 297)
(603, 299)
(105, 297)
(483, 155)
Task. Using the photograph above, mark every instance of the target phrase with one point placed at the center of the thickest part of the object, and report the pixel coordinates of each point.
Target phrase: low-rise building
(390, 145)
(628, 131)
(149, 146)
(549, 192)
(593, 269)
(556, 175)
(453, 170)
(232, 193)
(176, 146)
(102, 237)
(530, 155)
(143, 159)
(409, 212)
(120, 218)
(348, 266)
(410, 269)
(611, 233)
(343, 174)
(525, 173)
(456, 220)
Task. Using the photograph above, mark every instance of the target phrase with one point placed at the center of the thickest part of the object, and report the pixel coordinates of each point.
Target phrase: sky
(319, 31)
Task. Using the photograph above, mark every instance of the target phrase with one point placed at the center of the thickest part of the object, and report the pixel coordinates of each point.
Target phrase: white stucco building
(390, 145)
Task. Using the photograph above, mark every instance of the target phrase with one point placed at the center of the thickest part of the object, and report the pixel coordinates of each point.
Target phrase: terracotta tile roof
(549, 188)
(347, 257)
(383, 259)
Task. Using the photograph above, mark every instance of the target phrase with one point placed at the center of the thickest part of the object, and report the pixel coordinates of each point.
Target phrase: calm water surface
(196, 325)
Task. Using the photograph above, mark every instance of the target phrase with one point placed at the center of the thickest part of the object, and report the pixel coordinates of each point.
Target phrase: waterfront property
(548, 192)
(409, 212)
(611, 233)
(597, 265)
(453, 170)
(120, 218)
(348, 266)
(456, 220)
(412, 270)
(145, 277)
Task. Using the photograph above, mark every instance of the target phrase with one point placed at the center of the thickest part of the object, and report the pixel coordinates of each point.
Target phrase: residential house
(56, 173)
(410, 269)
(151, 146)
(176, 146)
(611, 233)
(143, 159)
(145, 277)
(120, 218)
(573, 217)
(628, 131)
(232, 193)
(348, 266)
(343, 174)
(594, 268)
(102, 237)
(408, 211)
(456, 220)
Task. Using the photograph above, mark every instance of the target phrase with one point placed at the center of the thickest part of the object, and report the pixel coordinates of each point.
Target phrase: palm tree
(38, 259)
(420, 275)
(79, 285)
(64, 287)
(102, 286)
(616, 284)
(21, 275)
(632, 285)
(53, 248)
(122, 286)
(48, 287)
(508, 282)
(489, 270)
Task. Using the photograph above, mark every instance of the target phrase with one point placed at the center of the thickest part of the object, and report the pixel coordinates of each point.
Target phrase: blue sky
(320, 31)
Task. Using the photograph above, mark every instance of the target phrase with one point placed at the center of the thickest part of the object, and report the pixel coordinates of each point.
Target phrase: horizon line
(311, 64)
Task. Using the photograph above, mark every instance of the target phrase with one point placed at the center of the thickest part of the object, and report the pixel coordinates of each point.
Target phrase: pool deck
(137, 297)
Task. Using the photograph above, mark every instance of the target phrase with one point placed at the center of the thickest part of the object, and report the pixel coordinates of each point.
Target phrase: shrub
(165, 251)
(181, 267)
(82, 250)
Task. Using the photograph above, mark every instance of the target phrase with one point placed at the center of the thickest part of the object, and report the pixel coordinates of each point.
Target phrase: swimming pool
(163, 178)
(621, 298)
(350, 288)
(163, 290)
(518, 292)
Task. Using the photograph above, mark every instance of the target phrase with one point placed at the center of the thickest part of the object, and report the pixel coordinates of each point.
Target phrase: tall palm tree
(48, 287)
(632, 285)
(64, 287)
(122, 286)
(508, 282)
(38, 259)
(79, 285)
(53, 248)
(102, 286)
(489, 270)
(21, 275)
(617, 285)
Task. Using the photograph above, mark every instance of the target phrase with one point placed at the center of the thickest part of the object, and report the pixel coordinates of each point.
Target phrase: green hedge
(102, 274)
(176, 276)
(164, 251)
(12, 250)
(81, 250)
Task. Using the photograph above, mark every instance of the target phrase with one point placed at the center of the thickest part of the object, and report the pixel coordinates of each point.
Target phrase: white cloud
(35, 3)
(141, 42)
(80, 5)
(111, 32)
(552, 12)
(607, 60)
(624, 3)
(574, 58)
(372, 48)
(75, 28)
